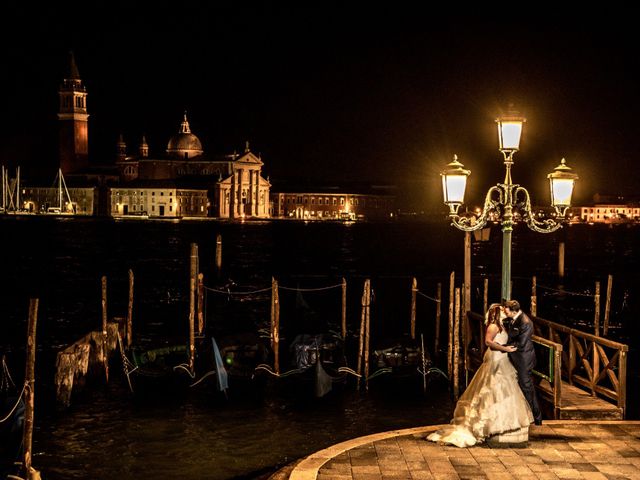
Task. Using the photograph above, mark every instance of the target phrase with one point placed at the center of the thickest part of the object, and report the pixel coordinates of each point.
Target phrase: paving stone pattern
(555, 451)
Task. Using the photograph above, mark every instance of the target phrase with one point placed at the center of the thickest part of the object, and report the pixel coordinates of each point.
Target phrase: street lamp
(502, 199)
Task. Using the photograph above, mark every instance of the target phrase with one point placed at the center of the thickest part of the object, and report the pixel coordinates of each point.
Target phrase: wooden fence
(594, 363)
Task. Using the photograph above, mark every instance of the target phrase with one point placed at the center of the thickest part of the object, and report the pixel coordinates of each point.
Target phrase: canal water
(108, 434)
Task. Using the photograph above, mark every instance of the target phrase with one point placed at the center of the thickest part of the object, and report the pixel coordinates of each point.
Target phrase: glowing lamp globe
(454, 184)
(561, 182)
(509, 132)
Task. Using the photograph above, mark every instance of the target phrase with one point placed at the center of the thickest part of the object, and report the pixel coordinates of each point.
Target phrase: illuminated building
(233, 183)
(73, 121)
(334, 204)
(610, 209)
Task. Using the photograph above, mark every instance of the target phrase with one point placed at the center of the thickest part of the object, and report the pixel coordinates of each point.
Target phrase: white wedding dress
(492, 403)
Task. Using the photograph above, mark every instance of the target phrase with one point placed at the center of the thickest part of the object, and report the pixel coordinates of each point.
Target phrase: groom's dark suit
(520, 330)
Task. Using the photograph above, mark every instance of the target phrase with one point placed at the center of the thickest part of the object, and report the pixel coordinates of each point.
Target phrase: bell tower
(73, 116)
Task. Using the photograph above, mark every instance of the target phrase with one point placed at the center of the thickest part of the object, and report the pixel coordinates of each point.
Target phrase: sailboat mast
(18, 187)
(60, 189)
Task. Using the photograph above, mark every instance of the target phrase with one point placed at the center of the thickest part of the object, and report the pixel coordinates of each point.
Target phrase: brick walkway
(560, 449)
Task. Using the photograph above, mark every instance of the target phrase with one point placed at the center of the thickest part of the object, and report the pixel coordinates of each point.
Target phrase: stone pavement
(559, 449)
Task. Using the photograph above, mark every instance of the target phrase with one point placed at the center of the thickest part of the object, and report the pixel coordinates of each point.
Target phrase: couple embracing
(501, 396)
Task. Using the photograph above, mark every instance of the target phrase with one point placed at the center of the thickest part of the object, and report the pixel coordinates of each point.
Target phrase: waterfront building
(334, 203)
(609, 213)
(159, 200)
(81, 200)
(609, 209)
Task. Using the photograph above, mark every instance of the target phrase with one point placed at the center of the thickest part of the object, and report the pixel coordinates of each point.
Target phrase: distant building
(609, 209)
(50, 200)
(73, 122)
(159, 201)
(334, 203)
(607, 213)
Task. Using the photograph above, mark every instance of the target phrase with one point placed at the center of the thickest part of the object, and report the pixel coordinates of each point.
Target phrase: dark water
(105, 434)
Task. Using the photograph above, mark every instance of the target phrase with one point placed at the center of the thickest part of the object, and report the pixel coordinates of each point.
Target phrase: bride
(493, 402)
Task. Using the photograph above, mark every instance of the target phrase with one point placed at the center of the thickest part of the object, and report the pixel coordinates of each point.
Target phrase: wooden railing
(554, 374)
(596, 363)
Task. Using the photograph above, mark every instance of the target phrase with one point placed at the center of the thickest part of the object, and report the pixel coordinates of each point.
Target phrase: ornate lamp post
(502, 199)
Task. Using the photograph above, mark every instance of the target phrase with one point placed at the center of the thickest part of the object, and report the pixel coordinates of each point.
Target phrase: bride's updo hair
(493, 316)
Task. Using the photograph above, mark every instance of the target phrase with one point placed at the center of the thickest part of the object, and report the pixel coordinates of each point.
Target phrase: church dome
(184, 144)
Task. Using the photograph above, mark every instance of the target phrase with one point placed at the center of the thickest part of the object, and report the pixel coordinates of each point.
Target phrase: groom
(520, 329)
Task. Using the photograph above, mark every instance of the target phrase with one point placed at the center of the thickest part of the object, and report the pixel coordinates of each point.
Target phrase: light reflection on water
(106, 435)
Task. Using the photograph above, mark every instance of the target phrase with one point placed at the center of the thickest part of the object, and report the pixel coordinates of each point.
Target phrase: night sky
(329, 93)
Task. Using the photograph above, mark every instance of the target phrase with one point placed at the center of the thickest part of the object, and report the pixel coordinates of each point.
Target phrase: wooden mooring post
(436, 345)
(29, 390)
(363, 340)
(414, 289)
(534, 297)
(200, 304)
(104, 326)
(485, 295)
(129, 333)
(466, 293)
(596, 319)
(607, 306)
(367, 308)
(344, 310)
(561, 260)
(218, 254)
(192, 305)
(451, 314)
(275, 325)
(456, 346)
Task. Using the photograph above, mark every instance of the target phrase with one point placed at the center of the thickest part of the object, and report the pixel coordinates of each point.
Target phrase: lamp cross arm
(470, 224)
(541, 226)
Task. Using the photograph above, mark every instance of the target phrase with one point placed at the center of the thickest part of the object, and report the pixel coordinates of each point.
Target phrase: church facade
(234, 183)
